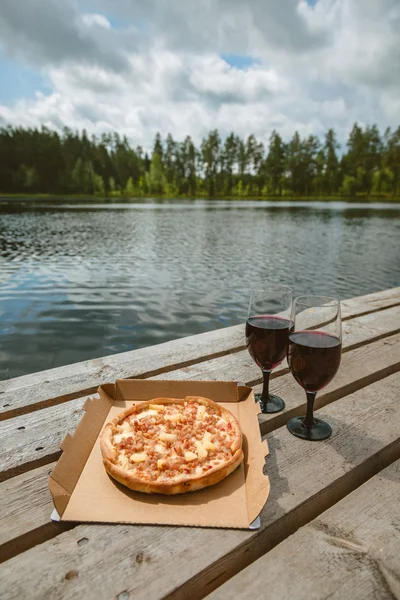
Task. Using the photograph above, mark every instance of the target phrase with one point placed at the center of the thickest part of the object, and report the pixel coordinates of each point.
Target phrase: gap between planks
(353, 307)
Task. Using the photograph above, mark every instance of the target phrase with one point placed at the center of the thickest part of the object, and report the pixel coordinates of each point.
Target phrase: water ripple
(79, 281)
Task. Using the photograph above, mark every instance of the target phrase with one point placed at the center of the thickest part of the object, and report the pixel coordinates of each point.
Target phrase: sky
(189, 66)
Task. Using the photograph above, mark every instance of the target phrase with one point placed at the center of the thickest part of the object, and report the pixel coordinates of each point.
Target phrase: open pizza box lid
(83, 492)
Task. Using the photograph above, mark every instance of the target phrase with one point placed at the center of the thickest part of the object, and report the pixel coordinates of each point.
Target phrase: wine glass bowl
(267, 330)
(314, 354)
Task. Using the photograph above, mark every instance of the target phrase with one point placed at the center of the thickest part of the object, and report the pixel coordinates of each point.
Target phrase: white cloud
(94, 19)
(317, 66)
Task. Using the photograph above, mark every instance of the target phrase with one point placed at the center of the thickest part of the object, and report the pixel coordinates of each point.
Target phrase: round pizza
(172, 446)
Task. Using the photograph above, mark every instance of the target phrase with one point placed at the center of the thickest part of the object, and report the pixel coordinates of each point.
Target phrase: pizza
(172, 446)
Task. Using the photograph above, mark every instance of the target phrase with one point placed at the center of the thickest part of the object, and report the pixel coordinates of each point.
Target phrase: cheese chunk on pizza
(172, 445)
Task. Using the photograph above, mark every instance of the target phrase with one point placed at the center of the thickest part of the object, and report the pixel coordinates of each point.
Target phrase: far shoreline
(123, 197)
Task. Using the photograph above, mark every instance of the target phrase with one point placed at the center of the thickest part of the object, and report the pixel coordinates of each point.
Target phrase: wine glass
(314, 353)
(267, 330)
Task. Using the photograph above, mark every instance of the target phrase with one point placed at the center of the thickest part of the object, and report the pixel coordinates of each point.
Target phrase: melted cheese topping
(173, 441)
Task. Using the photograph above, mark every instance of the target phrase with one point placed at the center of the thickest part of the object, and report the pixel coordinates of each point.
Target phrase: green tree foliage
(210, 157)
(156, 178)
(28, 177)
(190, 159)
(229, 161)
(130, 188)
(349, 186)
(45, 161)
(294, 164)
(391, 160)
(330, 172)
(275, 164)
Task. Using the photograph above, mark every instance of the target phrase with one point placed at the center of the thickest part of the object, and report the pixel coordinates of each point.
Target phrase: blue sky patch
(115, 22)
(19, 81)
(240, 61)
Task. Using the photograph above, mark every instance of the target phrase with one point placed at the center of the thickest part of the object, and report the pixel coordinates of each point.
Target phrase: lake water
(83, 280)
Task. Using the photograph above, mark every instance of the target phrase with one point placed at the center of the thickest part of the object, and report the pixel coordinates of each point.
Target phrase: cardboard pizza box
(83, 492)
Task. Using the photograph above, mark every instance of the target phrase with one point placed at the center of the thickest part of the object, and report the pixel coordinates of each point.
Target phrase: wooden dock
(331, 526)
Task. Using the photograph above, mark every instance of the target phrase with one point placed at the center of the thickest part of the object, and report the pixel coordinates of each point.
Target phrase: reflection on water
(80, 280)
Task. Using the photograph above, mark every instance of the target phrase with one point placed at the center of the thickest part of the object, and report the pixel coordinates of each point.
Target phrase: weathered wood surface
(105, 561)
(32, 392)
(386, 360)
(350, 551)
(33, 439)
(359, 368)
(370, 302)
(21, 497)
(26, 506)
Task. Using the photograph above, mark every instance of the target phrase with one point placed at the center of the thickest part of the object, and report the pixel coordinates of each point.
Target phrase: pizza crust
(185, 482)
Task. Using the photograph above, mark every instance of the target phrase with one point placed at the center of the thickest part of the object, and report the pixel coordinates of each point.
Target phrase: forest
(43, 161)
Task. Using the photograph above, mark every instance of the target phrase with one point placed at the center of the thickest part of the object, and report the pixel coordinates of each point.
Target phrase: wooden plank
(370, 302)
(378, 325)
(371, 363)
(34, 391)
(351, 550)
(26, 507)
(33, 439)
(22, 499)
(102, 561)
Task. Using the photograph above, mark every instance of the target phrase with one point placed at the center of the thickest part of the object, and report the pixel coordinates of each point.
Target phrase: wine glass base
(274, 404)
(319, 431)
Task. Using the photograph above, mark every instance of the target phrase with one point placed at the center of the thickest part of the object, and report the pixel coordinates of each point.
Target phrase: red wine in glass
(267, 340)
(267, 332)
(314, 353)
(314, 358)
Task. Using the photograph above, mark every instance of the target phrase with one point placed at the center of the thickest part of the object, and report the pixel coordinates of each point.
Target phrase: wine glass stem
(309, 418)
(265, 390)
